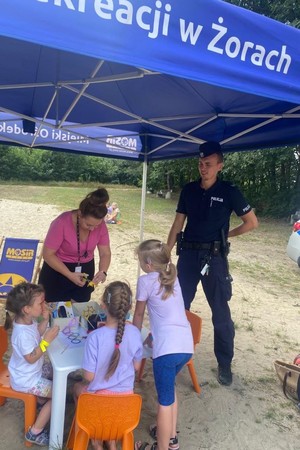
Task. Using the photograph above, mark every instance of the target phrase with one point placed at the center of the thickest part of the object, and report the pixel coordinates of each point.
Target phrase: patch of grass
(158, 215)
(270, 414)
(250, 327)
(275, 276)
(266, 380)
(214, 384)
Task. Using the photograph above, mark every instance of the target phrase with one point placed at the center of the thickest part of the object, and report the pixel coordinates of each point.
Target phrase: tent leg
(143, 202)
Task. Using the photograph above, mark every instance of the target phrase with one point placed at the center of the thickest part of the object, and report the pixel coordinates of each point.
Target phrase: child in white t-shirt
(30, 339)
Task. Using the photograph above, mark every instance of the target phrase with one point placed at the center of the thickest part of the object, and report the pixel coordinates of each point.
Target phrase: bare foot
(111, 445)
(97, 445)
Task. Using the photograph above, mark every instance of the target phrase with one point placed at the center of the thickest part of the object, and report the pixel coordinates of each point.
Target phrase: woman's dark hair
(94, 204)
(118, 298)
(23, 294)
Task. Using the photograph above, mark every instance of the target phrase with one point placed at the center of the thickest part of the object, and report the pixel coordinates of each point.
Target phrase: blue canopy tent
(172, 74)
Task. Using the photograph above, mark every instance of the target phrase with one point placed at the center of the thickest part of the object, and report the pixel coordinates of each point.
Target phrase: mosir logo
(122, 142)
(17, 253)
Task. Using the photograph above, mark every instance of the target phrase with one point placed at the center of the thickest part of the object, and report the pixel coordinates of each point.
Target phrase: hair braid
(118, 307)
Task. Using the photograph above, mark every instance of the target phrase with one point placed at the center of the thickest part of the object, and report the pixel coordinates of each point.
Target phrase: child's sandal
(173, 444)
(143, 446)
(152, 431)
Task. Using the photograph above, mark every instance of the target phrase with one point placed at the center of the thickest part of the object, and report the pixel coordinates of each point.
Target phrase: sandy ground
(252, 414)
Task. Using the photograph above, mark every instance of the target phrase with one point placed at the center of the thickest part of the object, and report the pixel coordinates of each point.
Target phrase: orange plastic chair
(196, 326)
(6, 391)
(105, 417)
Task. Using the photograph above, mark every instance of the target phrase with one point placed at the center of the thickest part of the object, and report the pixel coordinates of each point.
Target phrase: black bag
(289, 375)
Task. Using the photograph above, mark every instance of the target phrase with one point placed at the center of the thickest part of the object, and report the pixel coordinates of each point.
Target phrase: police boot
(224, 375)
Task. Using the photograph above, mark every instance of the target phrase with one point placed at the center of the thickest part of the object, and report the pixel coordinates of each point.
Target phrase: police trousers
(218, 290)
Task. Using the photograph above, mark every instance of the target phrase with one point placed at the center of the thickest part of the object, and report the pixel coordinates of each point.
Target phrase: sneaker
(39, 439)
(224, 375)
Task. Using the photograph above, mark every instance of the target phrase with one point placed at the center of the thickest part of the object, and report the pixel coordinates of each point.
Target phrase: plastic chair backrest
(108, 417)
(196, 325)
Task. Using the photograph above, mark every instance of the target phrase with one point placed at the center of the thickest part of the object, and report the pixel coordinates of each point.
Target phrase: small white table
(65, 360)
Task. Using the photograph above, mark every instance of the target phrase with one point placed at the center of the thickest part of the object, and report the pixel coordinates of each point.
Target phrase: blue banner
(71, 137)
(204, 40)
(17, 262)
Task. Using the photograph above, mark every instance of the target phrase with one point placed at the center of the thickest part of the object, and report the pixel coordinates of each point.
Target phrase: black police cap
(209, 148)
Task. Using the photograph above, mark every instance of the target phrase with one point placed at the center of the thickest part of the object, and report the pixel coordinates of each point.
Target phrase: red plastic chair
(196, 326)
(6, 391)
(105, 418)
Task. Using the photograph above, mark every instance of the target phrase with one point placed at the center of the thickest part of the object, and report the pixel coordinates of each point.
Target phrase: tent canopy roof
(146, 80)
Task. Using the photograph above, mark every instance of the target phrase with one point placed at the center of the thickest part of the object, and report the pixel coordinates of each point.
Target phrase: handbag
(289, 375)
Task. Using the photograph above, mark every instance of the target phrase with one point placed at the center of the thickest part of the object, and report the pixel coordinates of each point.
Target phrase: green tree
(286, 11)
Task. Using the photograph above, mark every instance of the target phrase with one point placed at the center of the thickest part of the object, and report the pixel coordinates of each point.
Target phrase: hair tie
(108, 298)
(117, 345)
(168, 267)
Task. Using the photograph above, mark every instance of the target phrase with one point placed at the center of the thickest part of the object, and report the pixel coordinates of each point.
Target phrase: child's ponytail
(157, 255)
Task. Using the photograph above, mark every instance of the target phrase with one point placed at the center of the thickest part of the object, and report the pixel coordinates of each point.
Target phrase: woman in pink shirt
(69, 251)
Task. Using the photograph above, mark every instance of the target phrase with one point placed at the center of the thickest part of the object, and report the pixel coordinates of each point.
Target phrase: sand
(252, 414)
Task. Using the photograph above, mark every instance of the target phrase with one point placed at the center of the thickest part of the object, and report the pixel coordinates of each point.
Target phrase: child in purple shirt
(113, 352)
(172, 342)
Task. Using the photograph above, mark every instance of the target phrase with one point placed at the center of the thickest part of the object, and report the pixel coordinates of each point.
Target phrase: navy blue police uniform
(201, 254)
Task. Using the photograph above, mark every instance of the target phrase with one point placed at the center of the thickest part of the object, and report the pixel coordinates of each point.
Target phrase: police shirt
(208, 211)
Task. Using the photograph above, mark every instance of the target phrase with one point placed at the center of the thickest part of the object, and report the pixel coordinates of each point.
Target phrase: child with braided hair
(112, 352)
(172, 343)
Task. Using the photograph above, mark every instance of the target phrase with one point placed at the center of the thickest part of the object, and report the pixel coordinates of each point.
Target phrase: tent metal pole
(143, 202)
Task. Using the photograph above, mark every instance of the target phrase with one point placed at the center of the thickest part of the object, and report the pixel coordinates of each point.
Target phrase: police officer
(206, 206)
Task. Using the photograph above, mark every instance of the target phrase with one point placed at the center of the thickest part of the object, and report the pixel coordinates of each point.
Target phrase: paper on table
(74, 338)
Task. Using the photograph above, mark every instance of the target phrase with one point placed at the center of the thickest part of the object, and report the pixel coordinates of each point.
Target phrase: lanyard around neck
(78, 243)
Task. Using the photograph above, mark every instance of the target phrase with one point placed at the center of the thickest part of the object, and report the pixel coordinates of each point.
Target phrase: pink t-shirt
(62, 237)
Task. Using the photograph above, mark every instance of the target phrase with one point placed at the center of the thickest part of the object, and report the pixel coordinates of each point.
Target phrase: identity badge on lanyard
(78, 268)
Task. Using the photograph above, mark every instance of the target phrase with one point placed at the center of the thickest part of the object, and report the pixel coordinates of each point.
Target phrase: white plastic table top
(64, 361)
